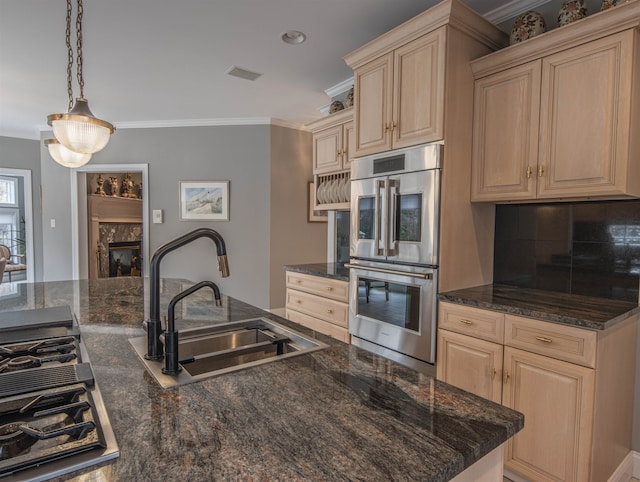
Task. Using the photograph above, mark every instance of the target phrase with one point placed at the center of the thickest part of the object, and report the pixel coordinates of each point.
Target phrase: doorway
(82, 253)
(17, 211)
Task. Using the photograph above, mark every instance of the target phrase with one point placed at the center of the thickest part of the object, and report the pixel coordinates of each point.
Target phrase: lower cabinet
(319, 303)
(550, 373)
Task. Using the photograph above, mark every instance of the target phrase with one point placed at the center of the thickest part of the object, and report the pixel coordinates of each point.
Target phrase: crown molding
(340, 88)
(512, 10)
(234, 121)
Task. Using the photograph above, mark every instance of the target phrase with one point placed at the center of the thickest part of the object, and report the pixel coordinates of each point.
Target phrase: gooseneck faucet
(171, 365)
(154, 326)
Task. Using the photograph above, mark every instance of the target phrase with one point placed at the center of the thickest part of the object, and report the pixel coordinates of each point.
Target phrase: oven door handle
(390, 271)
(380, 220)
(392, 198)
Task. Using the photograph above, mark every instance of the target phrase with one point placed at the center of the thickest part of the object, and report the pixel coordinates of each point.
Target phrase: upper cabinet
(333, 142)
(554, 116)
(400, 96)
(401, 78)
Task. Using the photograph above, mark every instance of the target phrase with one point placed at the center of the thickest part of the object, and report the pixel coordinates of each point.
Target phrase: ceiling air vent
(242, 73)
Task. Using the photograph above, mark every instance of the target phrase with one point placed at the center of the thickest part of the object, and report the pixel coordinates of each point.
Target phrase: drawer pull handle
(505, 379)
(466, 322)
(330, 312)
(544, 339)
(298, 281)
(329, 288)
(299, 302)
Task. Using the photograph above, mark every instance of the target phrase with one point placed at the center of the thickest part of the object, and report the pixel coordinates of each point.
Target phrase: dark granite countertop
(326, 270)
(582, 311)
(337, 414)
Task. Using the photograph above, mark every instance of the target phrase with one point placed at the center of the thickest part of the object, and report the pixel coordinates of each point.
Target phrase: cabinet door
(418, 91)
(471, 364)
(373, 96)
(348, 144)
(326, 147)
(585, 109)
(556, 399)
(505, 134)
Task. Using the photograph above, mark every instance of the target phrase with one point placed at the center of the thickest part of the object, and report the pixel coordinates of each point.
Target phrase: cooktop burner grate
(15, 383)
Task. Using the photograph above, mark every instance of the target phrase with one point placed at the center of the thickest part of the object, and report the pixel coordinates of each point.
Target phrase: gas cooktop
(52, 416)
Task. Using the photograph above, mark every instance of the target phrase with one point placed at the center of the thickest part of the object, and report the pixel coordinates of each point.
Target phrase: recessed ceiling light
(293, 37)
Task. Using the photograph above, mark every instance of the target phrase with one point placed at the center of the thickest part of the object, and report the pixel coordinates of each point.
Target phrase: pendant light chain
(69, 55)
(79, 47)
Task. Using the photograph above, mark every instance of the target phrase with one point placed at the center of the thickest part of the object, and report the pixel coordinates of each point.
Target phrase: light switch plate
(157, 216)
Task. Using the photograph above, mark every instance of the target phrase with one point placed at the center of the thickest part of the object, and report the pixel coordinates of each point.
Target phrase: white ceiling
(162, 62)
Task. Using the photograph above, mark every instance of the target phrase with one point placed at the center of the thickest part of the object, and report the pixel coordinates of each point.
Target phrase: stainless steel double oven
(395, 205)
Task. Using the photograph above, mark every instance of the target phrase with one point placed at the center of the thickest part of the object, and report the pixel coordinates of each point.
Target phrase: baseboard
(630, 467)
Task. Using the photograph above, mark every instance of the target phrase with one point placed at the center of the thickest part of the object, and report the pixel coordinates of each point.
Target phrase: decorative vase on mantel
(571, 11)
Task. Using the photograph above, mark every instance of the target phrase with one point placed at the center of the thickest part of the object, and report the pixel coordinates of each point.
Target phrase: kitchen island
(337, 414)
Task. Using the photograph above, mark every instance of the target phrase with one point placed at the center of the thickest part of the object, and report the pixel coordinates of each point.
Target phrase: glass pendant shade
(79, 130)
(64, 156)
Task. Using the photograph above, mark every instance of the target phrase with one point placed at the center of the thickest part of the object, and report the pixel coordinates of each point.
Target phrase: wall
(240, 154)
(293, 240)
(25, 154)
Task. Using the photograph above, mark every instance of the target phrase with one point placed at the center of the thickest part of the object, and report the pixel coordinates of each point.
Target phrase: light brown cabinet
(319, 303)
(399, 97)
(333, 149)
(558, 376)
(558, 122)
(333, 142)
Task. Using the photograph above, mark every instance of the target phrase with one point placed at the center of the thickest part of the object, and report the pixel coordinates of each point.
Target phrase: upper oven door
(395, 218)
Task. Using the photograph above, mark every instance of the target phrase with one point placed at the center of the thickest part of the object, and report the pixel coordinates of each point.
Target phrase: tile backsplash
(587, 248)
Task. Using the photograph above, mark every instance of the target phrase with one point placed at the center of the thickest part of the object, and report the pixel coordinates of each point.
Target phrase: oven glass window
(409, 217)
(366, 216)
(389, 302)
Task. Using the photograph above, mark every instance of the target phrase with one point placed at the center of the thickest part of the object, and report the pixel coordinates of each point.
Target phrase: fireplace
(125, 259)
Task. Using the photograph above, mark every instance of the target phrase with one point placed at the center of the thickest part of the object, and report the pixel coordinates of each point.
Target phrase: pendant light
(78, 130)
(64, 156)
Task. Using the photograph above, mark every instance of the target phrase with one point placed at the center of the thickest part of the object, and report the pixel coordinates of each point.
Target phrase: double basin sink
(215, 350)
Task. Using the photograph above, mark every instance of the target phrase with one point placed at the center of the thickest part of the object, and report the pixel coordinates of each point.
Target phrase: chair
(3, 261)
(11, 266)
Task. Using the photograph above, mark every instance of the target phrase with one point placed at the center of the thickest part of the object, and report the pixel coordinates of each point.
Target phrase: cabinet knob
(544, 339)
(386, 127)
(393, 126)
(540, 170)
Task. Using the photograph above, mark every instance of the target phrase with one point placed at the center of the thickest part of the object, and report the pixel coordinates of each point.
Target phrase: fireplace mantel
(108, 209)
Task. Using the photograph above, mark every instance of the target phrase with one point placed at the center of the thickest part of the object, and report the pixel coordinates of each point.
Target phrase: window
(8, 191)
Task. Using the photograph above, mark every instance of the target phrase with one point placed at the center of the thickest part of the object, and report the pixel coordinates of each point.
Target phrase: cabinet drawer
(485, 324)
(317, 285)
(318, 325)
(562, 342)
(327, 310)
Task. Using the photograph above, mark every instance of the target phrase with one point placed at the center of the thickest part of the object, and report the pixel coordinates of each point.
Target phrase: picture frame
(313, 215)
(204, 200)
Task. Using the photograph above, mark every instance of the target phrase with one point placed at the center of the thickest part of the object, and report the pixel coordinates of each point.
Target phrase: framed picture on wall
(315, 216)
(204, 200)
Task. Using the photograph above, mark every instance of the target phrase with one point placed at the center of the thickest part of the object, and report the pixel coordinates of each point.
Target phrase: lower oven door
(394, 306)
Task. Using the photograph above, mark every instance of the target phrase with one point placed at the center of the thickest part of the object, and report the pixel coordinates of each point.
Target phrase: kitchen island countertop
(337, 414)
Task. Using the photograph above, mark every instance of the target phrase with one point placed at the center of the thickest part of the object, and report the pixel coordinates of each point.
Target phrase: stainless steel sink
(215, 350)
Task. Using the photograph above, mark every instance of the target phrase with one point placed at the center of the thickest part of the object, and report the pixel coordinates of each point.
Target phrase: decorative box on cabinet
(574, 386)
(333, 148)
(554, 117)
(319, 303)
(402, 77)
